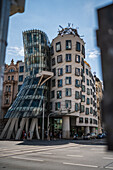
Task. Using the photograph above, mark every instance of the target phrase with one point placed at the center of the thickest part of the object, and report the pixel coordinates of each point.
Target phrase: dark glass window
(60, 71)
(68, 103)
(59, 59)
(77, 59)
(68, 69)
(83, 50)
(30, 50)
(68, 57)
(8, 77)
(59, 94)
(39, 92)
(86, 120)
(60, 84)
(87, 82)
(76, 107)
(52, 94)
(77, 46)
(68, 80)
(83, 98)
(42, 38)
(53, 83)
(36, 49)
(34, 37)
(35, 80)
(58, 46)
(9, 89)
(86, 71)
(26, 103)
(53, 61)
(68, 91)
(77, 71)
(83, 78)
(77, 83)
(68, 45)
(90, 120)
(82, 108)
(87, 111)
(20, 78)
(57, 105)
(21, 69)
(77, 96)
(82, 62)
(29, 37)
(88, 102)
(54, 71)
(31, 92)
(11, 70)
(80, 119)
(91, 101)
(19, 86)
(52, 50)
(83, 88)
(35, 103)
(88, 91)
(91, 110)
(12, 78)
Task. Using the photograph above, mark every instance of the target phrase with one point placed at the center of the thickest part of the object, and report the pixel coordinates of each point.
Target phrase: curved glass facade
(30, 97)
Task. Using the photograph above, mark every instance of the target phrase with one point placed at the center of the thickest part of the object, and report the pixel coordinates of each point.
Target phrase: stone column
(87, 130)
(66, 127)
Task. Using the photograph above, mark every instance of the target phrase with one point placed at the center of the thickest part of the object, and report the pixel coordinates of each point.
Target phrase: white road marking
(91, 166)
(27, 159)
(107, 158)
(79, 156)
(107, 167)
(47, 153)
(96, 149)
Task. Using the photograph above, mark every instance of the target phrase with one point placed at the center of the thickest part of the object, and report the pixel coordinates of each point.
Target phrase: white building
(73, 94)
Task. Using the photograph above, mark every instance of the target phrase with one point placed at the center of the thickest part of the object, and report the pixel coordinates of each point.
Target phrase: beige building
(73, 85)
(99, 95)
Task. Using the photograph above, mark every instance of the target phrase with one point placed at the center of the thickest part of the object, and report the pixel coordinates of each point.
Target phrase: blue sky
(47, 15)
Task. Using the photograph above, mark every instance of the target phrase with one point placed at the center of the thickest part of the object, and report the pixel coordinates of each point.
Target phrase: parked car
(75, 136)
(99, 136)
(87, 137)
(93, 135)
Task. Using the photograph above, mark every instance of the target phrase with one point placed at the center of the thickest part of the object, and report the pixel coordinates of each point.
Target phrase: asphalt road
(54, 155)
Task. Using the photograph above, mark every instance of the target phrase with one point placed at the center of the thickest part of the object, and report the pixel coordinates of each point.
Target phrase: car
(87, 137)
(93, 135)
(99, 136)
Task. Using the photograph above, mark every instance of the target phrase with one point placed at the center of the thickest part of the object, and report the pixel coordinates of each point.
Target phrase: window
(30, 50)
(76, 107)
(90, 120)
(29, 37)
(57, 105)
(19, 86)
(21, 69)
(54, 71)
(52, 94)
(34, 38)
(83, 78)
(77, 46)
(88, 102)
(91, 101)
(82, 108)
(52, 50)
(6, 100)
(68, 69)
(82, 62)
(68, 91)
(77, 83)
(6, 89)
(59, 94)
(83, 50)
(86, 71)
(9, 89)
(77, 59)
(68, 44)
(20, 78)
(12, 78)
(11, 70)
(76, 95)
(60, 71)
(60, 83)
(91, 92)
(31, 91)
(53, 83)
(88, 91)
(68, 104)
(87, 82)
(35, 103)
(58, 46)
(77, 71)
(87, 111)
(59, 59)
(53, 61)
(91, 110)
(26, 103)
(8, 77)
(51, 105)
(68, 80)
(83, 98)
(68, 57)
(86, 120)
(83, 88)
(80, 119)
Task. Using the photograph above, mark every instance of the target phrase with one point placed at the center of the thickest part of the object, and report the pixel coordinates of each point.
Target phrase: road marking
(47, 153)
(107, 158)
(95, 149)
(91, 166)
(107, 167)
(28, 159)
(79, 156)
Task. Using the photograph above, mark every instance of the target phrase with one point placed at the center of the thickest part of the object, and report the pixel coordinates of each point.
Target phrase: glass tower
(31, 95)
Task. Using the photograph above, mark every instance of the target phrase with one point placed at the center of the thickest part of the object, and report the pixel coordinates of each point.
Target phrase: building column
(87, 130)
(66, 127)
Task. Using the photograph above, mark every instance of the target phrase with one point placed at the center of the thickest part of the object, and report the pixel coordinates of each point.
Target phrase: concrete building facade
(73, 94)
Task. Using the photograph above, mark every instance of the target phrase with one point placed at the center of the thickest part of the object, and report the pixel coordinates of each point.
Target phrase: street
(54, 155)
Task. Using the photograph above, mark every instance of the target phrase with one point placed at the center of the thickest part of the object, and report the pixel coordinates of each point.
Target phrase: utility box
(17, 6)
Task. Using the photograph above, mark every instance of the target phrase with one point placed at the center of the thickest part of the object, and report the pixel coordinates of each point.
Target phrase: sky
(47, 15)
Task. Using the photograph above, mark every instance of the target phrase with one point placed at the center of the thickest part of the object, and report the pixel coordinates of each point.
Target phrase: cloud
(16, 53)
(92, 54)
